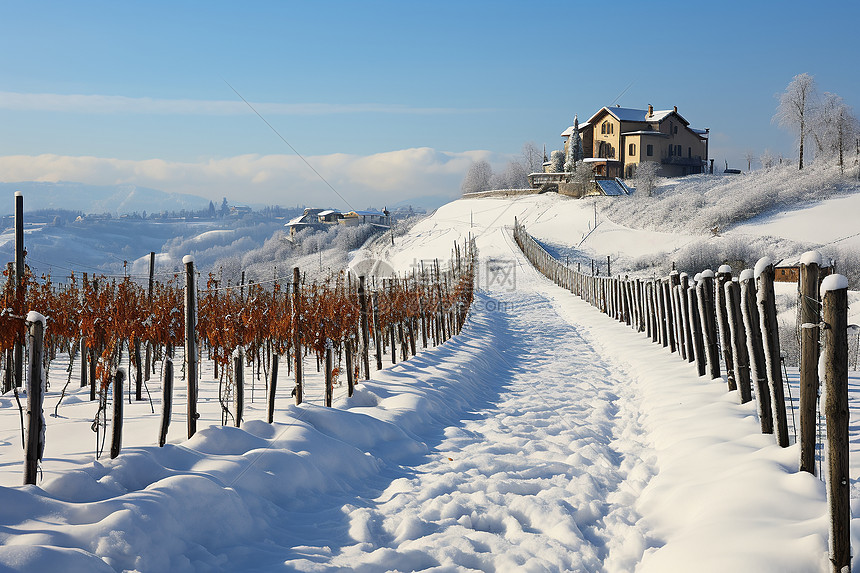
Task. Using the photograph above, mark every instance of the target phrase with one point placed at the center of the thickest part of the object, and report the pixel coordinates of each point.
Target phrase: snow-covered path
(545, 437)
(544, 479)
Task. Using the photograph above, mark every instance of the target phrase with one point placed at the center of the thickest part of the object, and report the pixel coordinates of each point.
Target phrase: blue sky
(388, 100)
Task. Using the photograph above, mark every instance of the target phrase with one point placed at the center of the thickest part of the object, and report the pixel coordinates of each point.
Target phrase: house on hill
(617, 139)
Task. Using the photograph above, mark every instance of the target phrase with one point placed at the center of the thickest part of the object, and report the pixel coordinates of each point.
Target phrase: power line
(324, 180)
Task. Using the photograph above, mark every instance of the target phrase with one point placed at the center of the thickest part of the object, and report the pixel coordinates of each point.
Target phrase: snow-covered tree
(645, 178)
(767, 159)
(556, 160)
(477, 177)
(581, 177)
(574, 148)
(835, 127)
(532, 158)
(795, 107)
(514, 176)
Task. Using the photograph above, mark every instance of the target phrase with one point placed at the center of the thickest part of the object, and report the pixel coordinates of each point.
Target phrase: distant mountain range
(115, 199)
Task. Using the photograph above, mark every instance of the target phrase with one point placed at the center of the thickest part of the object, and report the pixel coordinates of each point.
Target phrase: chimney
(676, 109)
(650, 110)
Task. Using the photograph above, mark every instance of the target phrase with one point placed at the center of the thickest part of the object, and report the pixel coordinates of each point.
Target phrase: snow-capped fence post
(670, 319)
(756, 350)
(695, 320)
(724, 275)
(297, 335)
(810, 316)
(329, 382)
(740, 348)
(770, 336)
(191, 343)
(239, 385)
(834, 290)
(35, 396)
(116, 415)
(20, 287)
(707, 311)
(166, 396)
(149, 349)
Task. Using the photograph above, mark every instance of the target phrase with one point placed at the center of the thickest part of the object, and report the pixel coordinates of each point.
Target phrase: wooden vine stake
(35, 441)
(755, 348)
(810, 317)
(297, 335)
(191, 343)
(239, 385)
(329, 380)
(166, 397)
(116, 417)
(273, 385)
(834, 290)
(365, 334)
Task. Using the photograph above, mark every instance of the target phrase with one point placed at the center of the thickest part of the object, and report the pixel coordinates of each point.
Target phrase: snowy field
(546, 437)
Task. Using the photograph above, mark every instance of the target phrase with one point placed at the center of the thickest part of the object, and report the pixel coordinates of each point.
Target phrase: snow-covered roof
(699, 131)
(631, 114)
(326, 212)
(294, 221)
(369, 213)
(567, 132)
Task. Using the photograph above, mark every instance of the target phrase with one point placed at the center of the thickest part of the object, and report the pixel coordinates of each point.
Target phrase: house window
(689, 152)
(649, 150)
(675, 129)
(631, 149)
(603, 128)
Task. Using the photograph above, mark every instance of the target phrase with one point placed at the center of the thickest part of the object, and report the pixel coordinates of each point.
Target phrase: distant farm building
(323, 218)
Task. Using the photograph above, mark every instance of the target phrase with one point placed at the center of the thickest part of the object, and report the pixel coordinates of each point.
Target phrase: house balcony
(683, 161)
(538, 180)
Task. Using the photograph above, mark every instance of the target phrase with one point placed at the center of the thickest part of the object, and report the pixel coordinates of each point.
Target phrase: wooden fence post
(770, 337)
(116, 417)
(740, 347)
(239, 385)
(724, 275)
(834, 290)
(810, 317)
(20, 286)
(166, 397)
(675, 313)
(35, 396)
(752, 325)
(191, 343)
(707, 312)
(297, 335)
(696, 329)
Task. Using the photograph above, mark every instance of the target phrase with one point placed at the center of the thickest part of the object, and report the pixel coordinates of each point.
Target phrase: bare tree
(749, 156)
(477, 177)
(532, 158)
(795, 107)
(767, 159)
